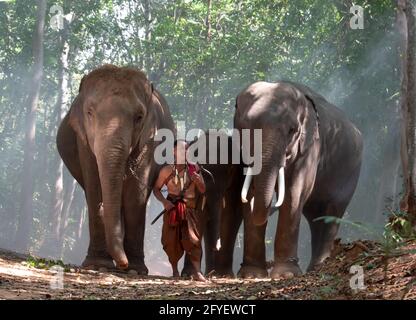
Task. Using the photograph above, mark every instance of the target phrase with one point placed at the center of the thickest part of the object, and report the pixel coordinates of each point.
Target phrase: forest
(200, 54)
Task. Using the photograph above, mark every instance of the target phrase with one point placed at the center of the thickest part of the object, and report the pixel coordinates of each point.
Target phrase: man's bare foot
(175, 274)
(199, 277)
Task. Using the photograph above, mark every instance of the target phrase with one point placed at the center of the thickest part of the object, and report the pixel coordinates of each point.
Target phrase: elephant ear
(153, 109)
(76, 115)
(149, 92)
(310, 125)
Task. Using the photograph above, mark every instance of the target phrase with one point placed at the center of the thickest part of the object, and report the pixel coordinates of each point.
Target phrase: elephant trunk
(111, 153)
(265, 183)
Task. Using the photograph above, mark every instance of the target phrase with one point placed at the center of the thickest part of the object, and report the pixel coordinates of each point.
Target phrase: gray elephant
(311, 158)
(220, 208)
(106, 141)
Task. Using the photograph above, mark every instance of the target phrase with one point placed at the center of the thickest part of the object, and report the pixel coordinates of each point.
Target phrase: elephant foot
(285, 270)
(314, 266)
(252, 272)
(137, 264)
(101, 263)
(209, 271)
(224, 273)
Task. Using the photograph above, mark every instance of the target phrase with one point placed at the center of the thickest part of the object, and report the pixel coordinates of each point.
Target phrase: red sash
(177, 214)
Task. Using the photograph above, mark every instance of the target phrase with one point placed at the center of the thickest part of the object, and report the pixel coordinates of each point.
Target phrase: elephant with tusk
(281, 186)
(220, 210)
(106, 142)
(311, 159)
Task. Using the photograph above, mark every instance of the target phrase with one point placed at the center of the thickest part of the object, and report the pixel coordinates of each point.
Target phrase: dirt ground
(392, 278)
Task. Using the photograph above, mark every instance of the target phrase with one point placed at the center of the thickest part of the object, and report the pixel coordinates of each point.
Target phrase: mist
(200, 74)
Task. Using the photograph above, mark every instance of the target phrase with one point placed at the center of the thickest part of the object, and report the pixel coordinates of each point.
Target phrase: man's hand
(197, 178)
(199, 182)
(168, 205)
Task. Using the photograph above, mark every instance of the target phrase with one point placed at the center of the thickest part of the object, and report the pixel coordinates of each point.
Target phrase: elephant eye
(292, 130)
(137, 119)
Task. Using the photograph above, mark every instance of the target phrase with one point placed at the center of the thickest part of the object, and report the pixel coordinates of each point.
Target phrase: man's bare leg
(196, 262)
(175, 269)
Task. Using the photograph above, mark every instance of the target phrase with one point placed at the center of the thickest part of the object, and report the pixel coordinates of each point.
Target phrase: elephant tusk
(252, 204)
(246, 185)
(218, 244)
(281, 187)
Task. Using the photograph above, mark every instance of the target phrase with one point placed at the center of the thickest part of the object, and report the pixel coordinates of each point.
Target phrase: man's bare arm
(199, 182)
(157, 189)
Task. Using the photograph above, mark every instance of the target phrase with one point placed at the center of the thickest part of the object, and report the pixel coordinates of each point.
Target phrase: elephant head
(113, 115)
(289, 125)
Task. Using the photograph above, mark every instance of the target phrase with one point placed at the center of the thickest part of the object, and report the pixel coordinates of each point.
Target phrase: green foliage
(399, 227)
(200, 76)
(40, 263)
(367, 229)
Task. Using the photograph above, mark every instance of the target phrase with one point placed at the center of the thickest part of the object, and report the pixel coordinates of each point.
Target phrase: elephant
(221, 211)
(220, 208)
(311, 159)
(106, 141)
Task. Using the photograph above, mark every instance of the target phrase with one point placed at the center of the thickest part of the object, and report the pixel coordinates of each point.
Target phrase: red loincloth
(180, 232)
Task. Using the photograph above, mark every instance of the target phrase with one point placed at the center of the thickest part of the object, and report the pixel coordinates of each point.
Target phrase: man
(180, 231)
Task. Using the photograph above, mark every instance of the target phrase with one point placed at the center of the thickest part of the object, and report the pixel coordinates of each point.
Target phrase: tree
(26, 210)
(200, 54)
(407, 27)
(52, 244)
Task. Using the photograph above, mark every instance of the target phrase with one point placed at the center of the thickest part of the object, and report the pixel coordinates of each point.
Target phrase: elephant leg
(134, 215)
(212, 233)
(188, 267)
(315, 227)
(300, 183)
(211, 238)
(286, 242)
(254, 261)
(323, 234)
(230, 220)
(97, 255)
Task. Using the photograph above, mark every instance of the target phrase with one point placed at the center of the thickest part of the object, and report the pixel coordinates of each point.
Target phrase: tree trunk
(208, 20)
(411, 108)
(66, 210)
(51, 247)
(406, 24)
(147, 36)
(205, 93)
(387, 191)
(26, 211)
